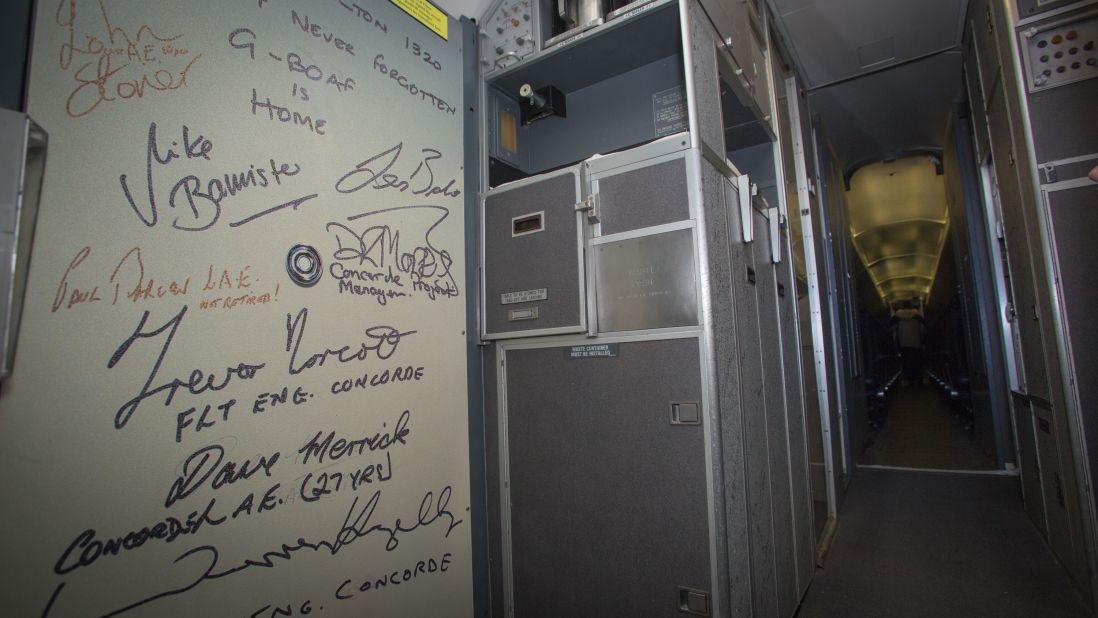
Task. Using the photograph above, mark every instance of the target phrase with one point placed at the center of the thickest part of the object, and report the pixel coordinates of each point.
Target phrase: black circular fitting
(303, 265)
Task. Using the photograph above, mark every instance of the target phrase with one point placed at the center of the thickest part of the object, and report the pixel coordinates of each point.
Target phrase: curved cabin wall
(898, 221)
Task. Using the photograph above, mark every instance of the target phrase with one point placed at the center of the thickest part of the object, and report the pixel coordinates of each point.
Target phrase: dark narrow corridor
(938, 544)
(921, 430)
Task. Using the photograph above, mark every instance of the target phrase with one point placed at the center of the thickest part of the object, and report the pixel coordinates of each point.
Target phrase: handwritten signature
(201, 200)
(196, 383)
(112, 65)
(357, 524)
(380, 341)
(378, 247)
(376, 172)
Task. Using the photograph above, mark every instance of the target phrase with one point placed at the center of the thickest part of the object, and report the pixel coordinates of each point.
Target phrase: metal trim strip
(715, 497)
(815, 303)
(1064, 185)
(1069, 160)
(644, 231)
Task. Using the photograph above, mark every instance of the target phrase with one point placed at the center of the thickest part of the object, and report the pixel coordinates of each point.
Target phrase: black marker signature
(196, 383)
(357, 524)
(380, 341)
(378, 245)
(375, 173)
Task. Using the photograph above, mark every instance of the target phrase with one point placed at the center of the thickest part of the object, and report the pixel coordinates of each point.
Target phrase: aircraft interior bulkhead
(549, 308)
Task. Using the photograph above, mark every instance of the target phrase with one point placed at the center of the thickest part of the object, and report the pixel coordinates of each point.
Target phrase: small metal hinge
(590, 205)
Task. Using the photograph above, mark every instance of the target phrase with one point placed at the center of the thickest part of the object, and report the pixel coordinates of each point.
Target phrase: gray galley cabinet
(644, 419)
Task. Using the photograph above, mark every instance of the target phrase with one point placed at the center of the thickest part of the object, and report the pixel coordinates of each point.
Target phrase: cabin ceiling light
(899, 219)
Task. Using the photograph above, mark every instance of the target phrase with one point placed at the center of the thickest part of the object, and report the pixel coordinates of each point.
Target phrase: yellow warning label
(427, 14)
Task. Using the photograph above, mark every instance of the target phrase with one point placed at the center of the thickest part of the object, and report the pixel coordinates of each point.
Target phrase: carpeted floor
(935, 544)
(921, 431)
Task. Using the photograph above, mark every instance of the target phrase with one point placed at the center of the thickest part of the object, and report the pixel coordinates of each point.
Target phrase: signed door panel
(607, 498)
(187, 431)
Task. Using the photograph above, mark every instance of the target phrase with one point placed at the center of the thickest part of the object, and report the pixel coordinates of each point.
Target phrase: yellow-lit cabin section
(898, 221)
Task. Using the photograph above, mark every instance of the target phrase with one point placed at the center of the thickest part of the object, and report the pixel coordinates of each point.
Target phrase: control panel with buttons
(508, 34)
(1061, 53)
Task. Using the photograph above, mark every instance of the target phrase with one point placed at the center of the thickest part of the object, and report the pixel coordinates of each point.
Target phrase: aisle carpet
(938, 544)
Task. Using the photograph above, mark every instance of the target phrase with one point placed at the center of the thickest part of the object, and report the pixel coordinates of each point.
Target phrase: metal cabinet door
(642, 187)
(643, 265)
(533, 274)
(605, 497)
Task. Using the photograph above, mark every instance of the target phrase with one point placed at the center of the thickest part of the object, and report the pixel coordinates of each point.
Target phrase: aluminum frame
(815, 304)
(791, 271)
(831, 277)
(717, 530)
(581, 279)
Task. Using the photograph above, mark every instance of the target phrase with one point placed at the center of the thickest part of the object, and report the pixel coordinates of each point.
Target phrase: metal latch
(746, 190)
(775, 235)
(1048, 170)
(590, 205)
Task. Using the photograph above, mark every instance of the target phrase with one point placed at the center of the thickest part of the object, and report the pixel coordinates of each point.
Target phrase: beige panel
(188, 432)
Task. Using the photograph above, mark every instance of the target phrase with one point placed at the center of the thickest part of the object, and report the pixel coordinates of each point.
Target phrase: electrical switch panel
(1061, 52)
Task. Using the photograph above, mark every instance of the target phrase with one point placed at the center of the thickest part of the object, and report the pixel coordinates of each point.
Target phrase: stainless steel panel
(646, 282)
(22, 163)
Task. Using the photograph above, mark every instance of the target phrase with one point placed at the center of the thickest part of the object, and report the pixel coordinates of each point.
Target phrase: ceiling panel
(899, 110)
(834, 39)
(898, 95)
